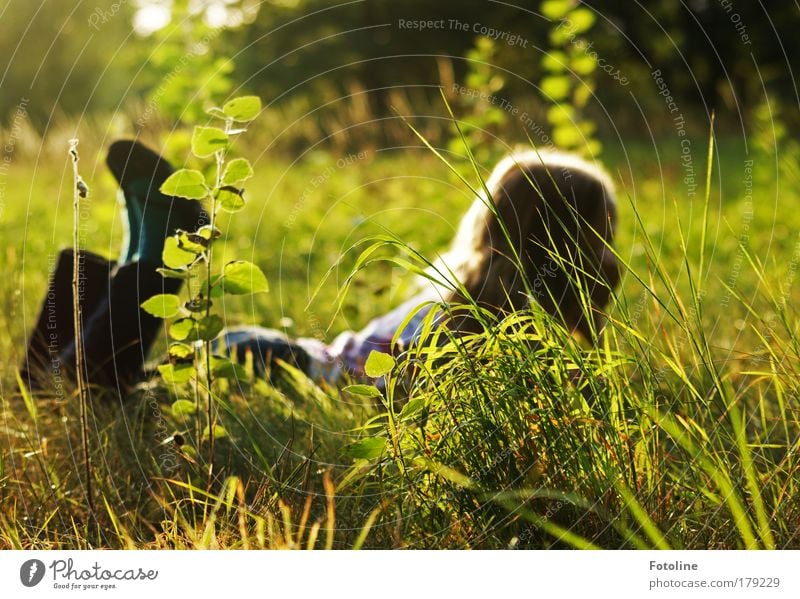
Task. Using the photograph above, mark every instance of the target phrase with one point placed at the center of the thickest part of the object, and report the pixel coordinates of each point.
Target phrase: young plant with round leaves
(484, 121)
(189, 255)
(568, 82)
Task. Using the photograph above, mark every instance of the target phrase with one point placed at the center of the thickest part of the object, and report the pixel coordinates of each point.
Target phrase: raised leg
(55, 330)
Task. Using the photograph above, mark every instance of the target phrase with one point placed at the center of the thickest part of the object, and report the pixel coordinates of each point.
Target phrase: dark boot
(119, 334)
(55, 329)
(151, 215)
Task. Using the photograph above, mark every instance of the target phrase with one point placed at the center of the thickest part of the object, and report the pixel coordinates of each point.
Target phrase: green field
(682, 432)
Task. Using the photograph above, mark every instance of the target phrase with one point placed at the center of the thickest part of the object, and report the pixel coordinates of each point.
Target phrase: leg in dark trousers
(55, 329)
(117, 333)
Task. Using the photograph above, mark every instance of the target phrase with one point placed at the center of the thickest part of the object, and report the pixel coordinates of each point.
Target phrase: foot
(151, 215)
(129, 162)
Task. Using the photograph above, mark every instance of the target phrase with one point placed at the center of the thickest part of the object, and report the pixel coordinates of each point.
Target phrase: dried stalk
(80, 191)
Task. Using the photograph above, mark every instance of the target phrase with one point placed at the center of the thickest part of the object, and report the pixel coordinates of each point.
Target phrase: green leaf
(163, 305)
(560, 114)
(583, 93)
(243, 109)
(241, 278)
(363, 390)
(183, 407)
(593, 148)
(226, 368)
(219, 432)
(236, 171)
(182, 329)
(560, 36)
(185, 183)
(556, 9)
(230, 199)
(568, 136)
(580, 20)
(556, 87)
(208, 140)
(189, 329)
(173, 256)
(555, 61)
(30, 402)
(176, 374)
(213, 288)
(209, 232)
(366, 449)
(378, 364)
(209, 327)
(168, 273)
(412, 407)
(192, 242)
(583, 64)
(189, 451)
(180, 352)
(588, 128)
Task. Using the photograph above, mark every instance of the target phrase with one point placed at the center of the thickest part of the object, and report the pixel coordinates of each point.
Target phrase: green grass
(681, 431)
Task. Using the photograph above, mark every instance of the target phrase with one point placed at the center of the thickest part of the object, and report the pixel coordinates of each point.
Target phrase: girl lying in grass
(545, 235)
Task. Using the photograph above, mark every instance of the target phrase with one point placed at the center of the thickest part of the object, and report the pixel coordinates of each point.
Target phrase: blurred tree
(64, 57)
(716, 54)
(76, 57)
(570, 76)
(314, 46)
(191, 61)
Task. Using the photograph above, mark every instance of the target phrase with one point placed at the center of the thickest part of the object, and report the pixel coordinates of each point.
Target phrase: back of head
(545, 236)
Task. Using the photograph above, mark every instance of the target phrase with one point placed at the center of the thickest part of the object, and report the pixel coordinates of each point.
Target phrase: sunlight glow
(150, 18)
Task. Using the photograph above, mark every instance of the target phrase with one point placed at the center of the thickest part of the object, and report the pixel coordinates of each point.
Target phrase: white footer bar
(400, 574)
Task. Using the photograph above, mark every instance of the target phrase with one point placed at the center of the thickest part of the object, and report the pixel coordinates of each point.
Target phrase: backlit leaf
(556, 87)
(555, 61)
(180, 352)
(556, 9)
(183, 407)
(243, 109)
(173, 256)
(163, 305)
(242, 277)
(230, 198)
(219, 432)
(236, 171)
(189, 329)
(378, 364)
(185, 183)
(580, 20)
(176, 374)
(363, 390)
(366, 449)
(226, 368)
(208, 140)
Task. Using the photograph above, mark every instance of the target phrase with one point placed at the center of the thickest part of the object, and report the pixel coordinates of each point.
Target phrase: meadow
(681, 432)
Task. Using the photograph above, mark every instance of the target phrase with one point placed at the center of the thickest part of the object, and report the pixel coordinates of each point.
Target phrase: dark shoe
(152, 216)
(129, 161)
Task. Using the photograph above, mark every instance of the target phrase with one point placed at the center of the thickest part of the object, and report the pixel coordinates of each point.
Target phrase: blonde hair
(559, 213)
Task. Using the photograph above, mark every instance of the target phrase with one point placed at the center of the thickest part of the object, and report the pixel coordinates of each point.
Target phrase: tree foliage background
(85, 59)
